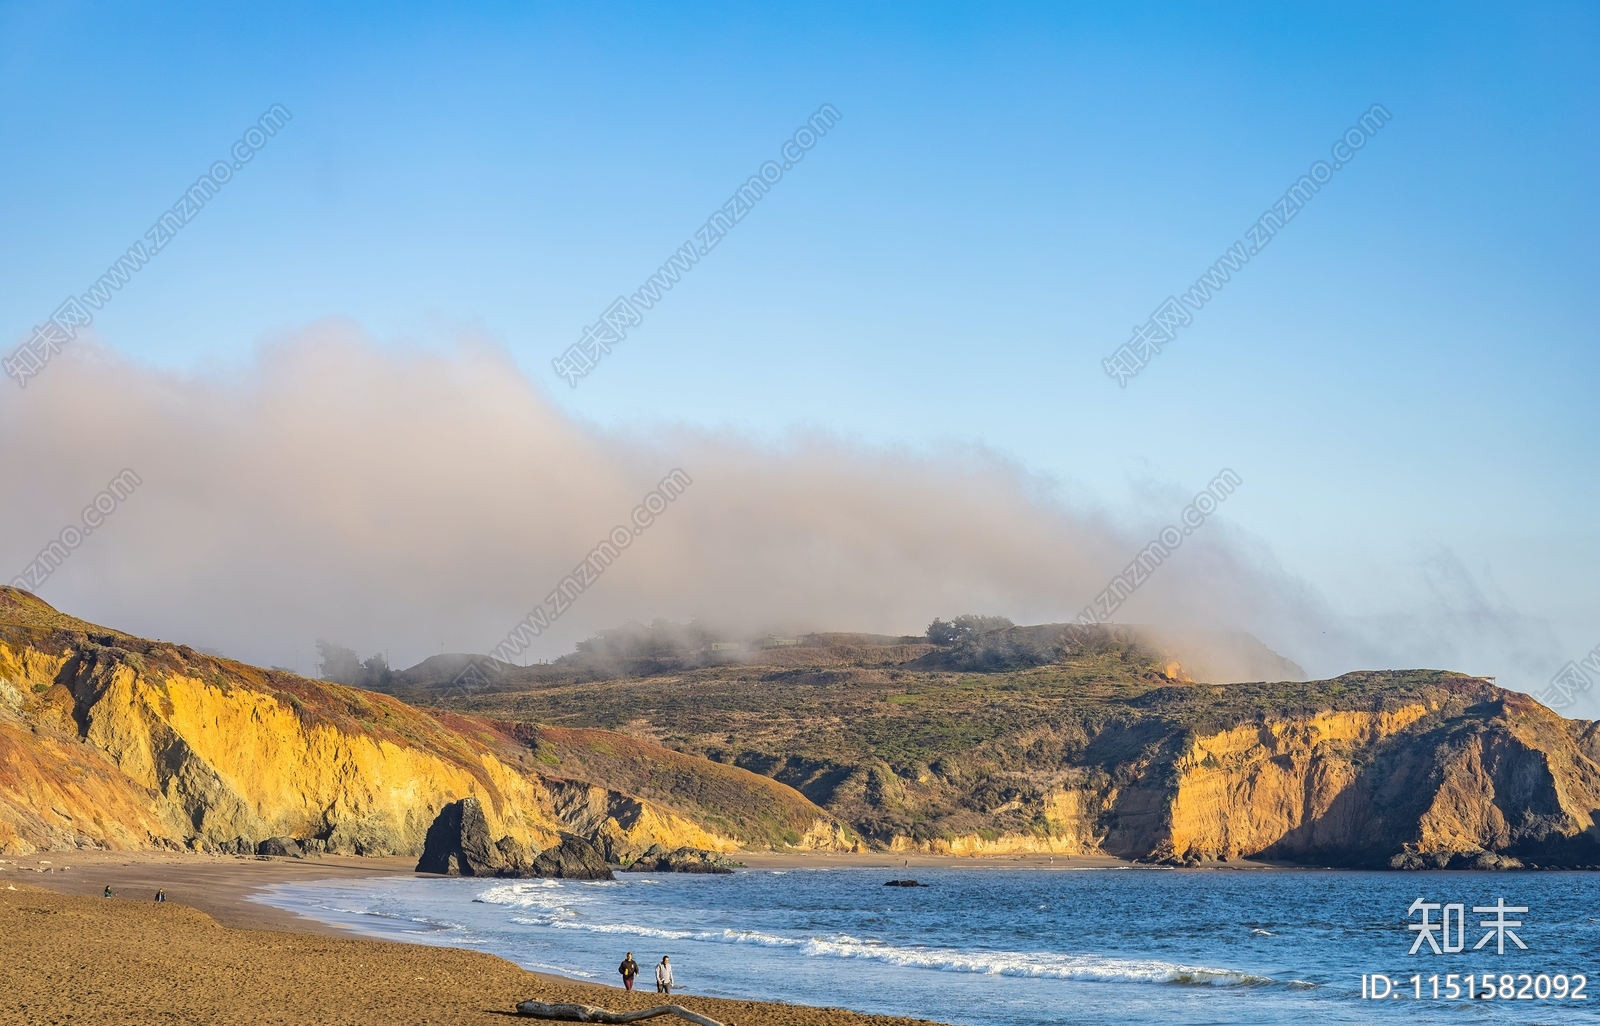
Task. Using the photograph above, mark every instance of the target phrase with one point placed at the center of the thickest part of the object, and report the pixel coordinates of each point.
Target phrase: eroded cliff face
(108, 740)
(1449, 772)
(623, 826)
(1067, 822)
(1475, 777)
(173, 757)
(1274, 786)
(57, 791)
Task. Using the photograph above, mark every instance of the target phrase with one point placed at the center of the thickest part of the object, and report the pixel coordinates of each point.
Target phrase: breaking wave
(545, 904)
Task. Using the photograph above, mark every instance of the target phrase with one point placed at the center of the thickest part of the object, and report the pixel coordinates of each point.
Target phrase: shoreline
(890, 861)
(222, 886)
(72, 958)
(213, 953)
(219, 892)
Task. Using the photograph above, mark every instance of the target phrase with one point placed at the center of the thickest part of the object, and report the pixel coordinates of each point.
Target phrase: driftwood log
(564, 1012)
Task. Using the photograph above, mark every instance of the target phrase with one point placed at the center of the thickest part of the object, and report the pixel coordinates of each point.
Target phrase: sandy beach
(210, 956)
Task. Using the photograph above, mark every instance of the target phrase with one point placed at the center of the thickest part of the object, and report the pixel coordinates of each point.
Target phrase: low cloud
(399, 499)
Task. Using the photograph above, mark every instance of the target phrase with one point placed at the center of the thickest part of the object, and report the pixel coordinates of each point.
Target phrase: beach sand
(71, 956)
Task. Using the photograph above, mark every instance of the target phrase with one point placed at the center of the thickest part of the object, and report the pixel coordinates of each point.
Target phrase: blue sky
(1403, 379)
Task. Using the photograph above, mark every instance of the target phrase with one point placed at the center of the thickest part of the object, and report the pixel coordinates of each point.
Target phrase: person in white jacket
(664, 976)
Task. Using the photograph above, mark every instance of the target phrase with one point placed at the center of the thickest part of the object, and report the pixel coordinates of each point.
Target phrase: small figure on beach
(108, 891)
(664, 976)
(629, 969)
(161, 895)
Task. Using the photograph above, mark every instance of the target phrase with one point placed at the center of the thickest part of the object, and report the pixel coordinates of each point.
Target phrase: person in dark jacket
(629, 969)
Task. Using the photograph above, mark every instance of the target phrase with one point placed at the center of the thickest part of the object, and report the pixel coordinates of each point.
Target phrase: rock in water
(903, 883)
(458, 843)
(1476, 858)
(572, 859)
(280, 846)
(681, 860)
(518, 859)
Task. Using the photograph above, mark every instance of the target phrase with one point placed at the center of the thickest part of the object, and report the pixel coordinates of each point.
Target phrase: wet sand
(210, 956)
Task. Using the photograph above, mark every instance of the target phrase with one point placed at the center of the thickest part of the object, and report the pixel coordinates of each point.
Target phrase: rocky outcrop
(458, 844)
(1067, 821)
(623, 825)
(657, 859)
(517, 857)
(573, 859)
(283, 847)
(1480, 860)
(674, 799)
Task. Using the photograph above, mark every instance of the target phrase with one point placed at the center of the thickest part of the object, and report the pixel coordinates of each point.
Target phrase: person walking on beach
(161, 895)
(664, 977)
(629, 969)
(108, 891)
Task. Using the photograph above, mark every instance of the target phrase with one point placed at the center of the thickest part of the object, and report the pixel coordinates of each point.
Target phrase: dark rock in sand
(284, 847)
(458, 843)
(572, 859)
(681, 860)
(903, 883)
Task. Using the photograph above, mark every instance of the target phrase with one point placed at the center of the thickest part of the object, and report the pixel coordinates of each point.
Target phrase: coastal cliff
(1448, 771)
(111, 740)
(1069, 739)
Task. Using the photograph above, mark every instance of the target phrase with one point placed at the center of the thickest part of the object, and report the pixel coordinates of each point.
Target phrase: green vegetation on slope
(987, 737)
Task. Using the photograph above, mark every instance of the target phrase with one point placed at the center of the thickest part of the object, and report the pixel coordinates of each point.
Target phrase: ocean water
(996, 947)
